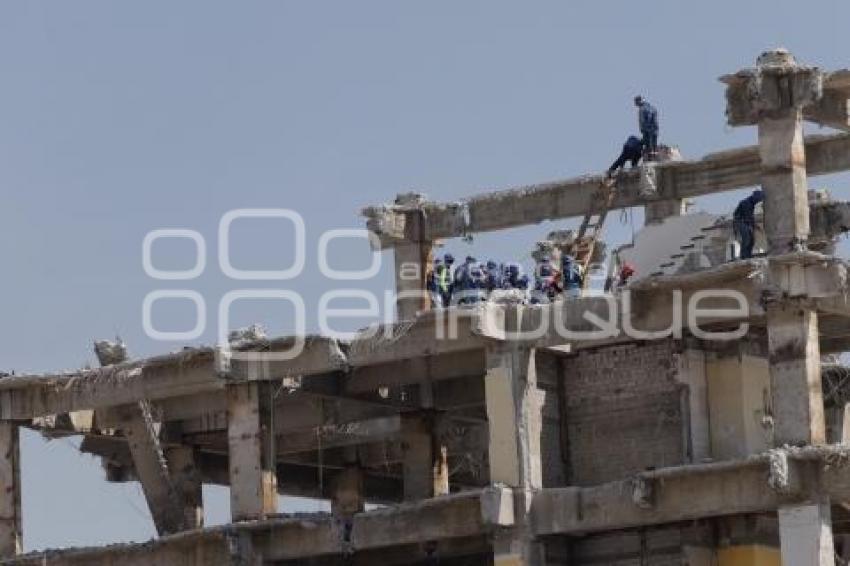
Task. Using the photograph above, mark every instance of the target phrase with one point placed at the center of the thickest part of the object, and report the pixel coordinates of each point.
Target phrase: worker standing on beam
(632, 151)
(648, 122)
(744, 222)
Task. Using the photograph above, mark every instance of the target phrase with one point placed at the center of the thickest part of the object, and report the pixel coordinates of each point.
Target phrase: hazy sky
(121, 118)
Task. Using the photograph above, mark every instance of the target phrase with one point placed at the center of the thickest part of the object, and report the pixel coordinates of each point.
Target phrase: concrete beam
(454, 517)
(186, 373)
(366, 379)
(832, 110)
(434, 333)
(499, 210)
(318, 355)
(191, 372)
(338, 435)
(760, 484)
(294, 412)
(294, 478)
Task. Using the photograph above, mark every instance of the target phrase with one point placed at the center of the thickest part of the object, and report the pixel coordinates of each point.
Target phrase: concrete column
(783, 177)
(347, 498)
(440, 469)
(691, 372)
(779, 89)
(805, 533)
(795, 378)
(10, 490)
(739, 401)
(425, 466)
(656, 212)
(413, 258)
(517, 551)
(152, 469)
(187, 481)
(253, 478)
(773, 96)
(514, 408)
(514, 414)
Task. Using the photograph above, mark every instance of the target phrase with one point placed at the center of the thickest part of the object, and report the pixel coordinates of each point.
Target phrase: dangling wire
(319, 445)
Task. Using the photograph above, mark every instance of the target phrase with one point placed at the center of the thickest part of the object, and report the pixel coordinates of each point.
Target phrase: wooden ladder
(591, 226)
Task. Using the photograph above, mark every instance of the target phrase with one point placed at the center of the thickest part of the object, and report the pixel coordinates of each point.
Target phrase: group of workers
(646, 148)
(472, 282)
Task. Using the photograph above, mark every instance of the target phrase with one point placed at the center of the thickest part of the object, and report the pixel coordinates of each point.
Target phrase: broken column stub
(773, 96)
(775, 86)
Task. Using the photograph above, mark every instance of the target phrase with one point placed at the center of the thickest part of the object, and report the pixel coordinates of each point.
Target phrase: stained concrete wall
(738, 393)
(625, 411)
(548, 381)
(749, 555)
(668, 546)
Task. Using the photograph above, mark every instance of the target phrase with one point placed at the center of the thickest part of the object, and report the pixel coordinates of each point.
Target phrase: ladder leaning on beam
(590, 230)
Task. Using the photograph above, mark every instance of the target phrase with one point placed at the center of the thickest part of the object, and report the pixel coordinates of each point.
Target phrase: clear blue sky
(118, 118)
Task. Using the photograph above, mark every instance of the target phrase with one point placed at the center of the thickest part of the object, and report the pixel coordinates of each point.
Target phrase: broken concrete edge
(495, 508)
(378, 344)
(829, 219)
(189, 356)
(476, 213)
(831, 454)
(759, 484)
(363, 531)
(741, 269)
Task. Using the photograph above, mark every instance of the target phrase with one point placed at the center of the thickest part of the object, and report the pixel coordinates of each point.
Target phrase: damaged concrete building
(514, 434)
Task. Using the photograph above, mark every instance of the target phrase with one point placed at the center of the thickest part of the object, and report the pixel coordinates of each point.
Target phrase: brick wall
(623, 410)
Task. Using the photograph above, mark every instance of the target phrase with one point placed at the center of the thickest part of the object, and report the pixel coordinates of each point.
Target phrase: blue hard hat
(449, 258)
